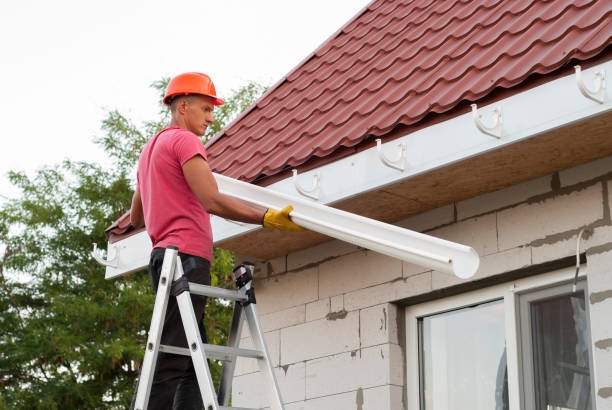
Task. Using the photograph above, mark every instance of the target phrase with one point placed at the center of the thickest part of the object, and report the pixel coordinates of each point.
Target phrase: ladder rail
(266, 366)
(229, 367)
(153, 340)
(194, 341)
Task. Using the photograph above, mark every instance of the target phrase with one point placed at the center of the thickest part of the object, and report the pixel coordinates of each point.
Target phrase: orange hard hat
(191, 83)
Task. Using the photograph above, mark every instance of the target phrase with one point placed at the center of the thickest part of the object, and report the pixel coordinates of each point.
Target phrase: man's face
(198, 113)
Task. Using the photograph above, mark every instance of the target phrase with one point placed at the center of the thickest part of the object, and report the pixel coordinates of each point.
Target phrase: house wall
(332, 314)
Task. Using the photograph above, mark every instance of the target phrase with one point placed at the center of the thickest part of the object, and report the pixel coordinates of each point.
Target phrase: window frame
(510, 293)
(528, 399)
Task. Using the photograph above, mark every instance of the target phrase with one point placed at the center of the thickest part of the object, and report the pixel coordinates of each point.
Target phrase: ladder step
(219, 293)
(216, 352)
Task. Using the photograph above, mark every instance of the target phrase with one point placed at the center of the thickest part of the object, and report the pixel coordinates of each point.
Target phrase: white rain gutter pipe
(414, 247)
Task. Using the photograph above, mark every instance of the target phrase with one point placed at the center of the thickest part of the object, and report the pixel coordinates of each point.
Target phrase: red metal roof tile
(395, 63)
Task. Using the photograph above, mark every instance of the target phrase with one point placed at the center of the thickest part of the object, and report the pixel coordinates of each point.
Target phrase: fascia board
(525, 115)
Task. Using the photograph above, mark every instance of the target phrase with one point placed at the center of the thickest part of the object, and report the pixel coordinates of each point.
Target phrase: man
(176, 193)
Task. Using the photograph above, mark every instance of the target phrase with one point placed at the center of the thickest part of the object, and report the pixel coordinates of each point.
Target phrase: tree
(70, 339)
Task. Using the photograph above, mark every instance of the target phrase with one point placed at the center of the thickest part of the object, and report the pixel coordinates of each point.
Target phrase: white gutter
(401, 243)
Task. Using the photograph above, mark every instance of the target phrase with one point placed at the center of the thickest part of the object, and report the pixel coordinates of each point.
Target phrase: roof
(398, 62)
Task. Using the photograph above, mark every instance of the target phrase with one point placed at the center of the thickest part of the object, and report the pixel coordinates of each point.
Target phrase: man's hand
(280, 220)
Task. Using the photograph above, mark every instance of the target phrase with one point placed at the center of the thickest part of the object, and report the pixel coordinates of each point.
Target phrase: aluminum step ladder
(173, 281)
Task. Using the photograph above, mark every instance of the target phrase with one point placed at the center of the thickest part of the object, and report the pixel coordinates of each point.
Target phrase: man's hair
(174, 102)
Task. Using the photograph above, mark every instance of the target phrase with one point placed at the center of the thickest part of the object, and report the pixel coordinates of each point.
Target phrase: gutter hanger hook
(113, 256)
(398, 163)
(312, 192)
(496, 129)
(600, 83)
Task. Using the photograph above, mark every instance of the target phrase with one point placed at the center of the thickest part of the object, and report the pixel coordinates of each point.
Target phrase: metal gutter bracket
(312, 192)
(496, 129)
(600, 85)
(398, 163)
(112, 257)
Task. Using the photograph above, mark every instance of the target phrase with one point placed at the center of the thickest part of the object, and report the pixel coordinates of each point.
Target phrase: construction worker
(176, 193)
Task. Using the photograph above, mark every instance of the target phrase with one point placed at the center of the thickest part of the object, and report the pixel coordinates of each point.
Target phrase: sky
(65, 64)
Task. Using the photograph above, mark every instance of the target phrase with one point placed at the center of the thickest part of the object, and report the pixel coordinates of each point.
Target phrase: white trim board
(524, 115)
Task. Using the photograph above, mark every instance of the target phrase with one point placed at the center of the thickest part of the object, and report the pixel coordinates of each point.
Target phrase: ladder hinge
(180, 285)
(250, 293)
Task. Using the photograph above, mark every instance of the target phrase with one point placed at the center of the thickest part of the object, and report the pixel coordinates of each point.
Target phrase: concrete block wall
(330, 315)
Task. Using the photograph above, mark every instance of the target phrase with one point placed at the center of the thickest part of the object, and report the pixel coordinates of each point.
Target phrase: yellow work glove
(280, 220)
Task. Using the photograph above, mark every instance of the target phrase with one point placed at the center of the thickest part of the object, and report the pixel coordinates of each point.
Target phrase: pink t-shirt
(172, 213)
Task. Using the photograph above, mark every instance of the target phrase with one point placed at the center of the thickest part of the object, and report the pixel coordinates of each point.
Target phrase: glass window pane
(463, 359)
(561, 353)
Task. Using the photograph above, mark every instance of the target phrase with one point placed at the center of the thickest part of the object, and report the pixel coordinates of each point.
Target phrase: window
(463, 359)
(556, 349)
(519, 345)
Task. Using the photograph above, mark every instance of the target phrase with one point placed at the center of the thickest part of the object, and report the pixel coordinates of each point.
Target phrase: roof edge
(558, 103)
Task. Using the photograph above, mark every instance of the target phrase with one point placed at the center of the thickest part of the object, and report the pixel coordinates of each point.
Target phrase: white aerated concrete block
(363, 368)
(479, 233)
(378, 325)
(318, 309)
(556, 248)
(385, 397)
(250, 390)
(586, 172)
(292, 382)
(376, 398)
(411, 269)
(492, 201)
(526, 223)
(390, 291)
(284, 291)
(317, 254)
(594, 240)
(320, 338)
(501, 262)
(599, 277)
(336, 303)
(609, 204)
(347, 400)
(430, 219)
(357, 271)
(247, 365)
(284, 318)
(271, 267)
(441, 280)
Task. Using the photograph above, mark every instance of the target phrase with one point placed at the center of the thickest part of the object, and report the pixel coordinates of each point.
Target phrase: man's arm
(136, 214)
(202, 182)
(200, 179)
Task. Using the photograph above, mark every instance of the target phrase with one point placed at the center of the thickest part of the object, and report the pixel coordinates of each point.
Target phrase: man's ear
(182, 105)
